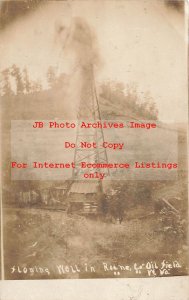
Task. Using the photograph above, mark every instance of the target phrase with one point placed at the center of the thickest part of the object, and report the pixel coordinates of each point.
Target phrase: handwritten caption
(149, 269)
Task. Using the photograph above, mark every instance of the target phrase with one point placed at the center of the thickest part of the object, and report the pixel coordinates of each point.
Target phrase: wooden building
(84, 196)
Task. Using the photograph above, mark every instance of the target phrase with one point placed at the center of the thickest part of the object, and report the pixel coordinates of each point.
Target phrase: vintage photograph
(94, 117)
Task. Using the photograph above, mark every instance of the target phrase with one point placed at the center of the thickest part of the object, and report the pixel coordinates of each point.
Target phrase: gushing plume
(79, 43)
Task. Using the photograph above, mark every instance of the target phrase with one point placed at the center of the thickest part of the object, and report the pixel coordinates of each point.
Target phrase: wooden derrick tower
(85, 194)
(89, 111)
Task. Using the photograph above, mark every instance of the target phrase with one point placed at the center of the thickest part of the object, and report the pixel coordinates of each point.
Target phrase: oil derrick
(85, 194)
(89, 111)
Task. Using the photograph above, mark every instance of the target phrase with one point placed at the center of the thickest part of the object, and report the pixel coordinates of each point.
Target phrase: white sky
(139, 41)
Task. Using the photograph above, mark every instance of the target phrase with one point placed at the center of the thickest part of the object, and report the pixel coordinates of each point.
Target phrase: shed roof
(82, 187)
(62, 187)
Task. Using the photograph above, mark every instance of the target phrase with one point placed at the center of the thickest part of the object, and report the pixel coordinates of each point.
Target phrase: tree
(143, 192)
(26, 82)
(149, 107)
(18, 78)
(36, 86)
(103, 205)
(118, 202)
(126, 195)
(6, 86)
(51, 76)
(130, 100)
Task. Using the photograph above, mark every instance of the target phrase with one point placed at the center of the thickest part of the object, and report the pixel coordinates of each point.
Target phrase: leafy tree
(36, 86)
(118, 202)
(18, 78)
(126, 195)
(26, 81)
(143, 192)
(129, 100)
(6, 86)
(103, 205)
(51, 76)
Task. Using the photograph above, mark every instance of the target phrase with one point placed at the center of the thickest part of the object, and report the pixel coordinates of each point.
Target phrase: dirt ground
(37, 241)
